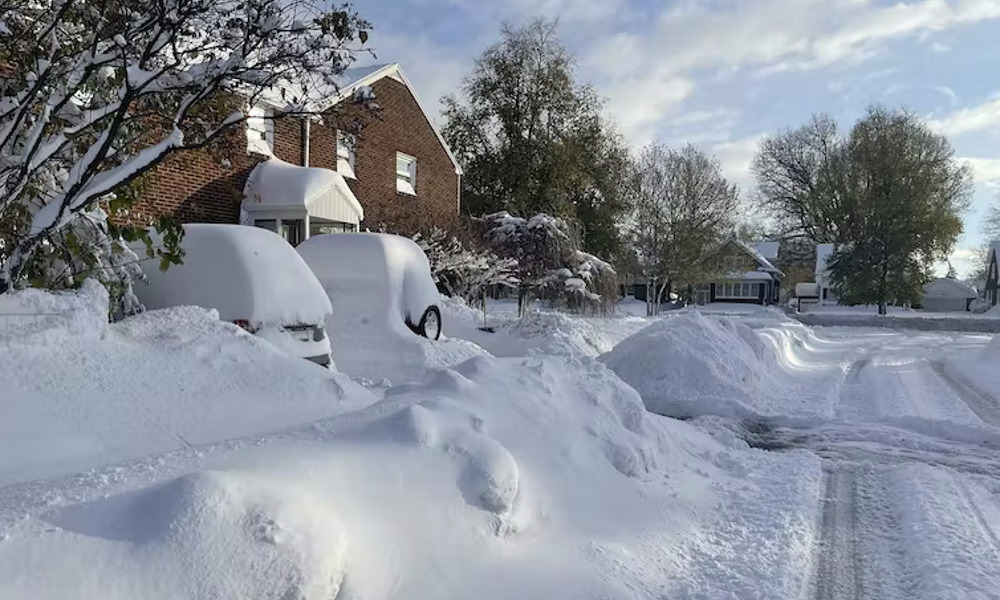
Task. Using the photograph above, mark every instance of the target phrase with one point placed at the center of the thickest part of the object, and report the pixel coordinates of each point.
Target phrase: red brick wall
(207, 186)
(199, 186)
(401, 126)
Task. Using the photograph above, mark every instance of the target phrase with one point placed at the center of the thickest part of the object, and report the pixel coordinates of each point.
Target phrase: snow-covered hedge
(461, 270)
(550, 264)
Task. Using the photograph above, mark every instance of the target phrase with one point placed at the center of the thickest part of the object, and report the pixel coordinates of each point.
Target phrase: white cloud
(433, 70)
(940, 48)
(985, 171)
(638, 103)
(736, 159)
(976, 118)
(691, 40)
(787, 34)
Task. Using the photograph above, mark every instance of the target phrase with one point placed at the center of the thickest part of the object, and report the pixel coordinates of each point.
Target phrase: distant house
(948, 295)
(827, 295)
(992, 283)
(751, 277)
(342, 170)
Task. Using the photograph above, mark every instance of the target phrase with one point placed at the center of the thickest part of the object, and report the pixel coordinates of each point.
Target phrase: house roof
(349, 82)
(764, 264)
(951, 288)
(768, 250)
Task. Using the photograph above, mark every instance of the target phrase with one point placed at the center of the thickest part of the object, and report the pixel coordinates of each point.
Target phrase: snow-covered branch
(92, 95)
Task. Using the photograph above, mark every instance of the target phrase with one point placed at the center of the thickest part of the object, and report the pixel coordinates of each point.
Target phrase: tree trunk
(659, 294)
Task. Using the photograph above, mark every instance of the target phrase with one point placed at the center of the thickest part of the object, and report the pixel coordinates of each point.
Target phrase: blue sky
(723, 73)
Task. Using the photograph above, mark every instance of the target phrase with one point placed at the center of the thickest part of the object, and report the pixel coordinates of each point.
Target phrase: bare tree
(799, 180)
(97, 92)
(682, 211)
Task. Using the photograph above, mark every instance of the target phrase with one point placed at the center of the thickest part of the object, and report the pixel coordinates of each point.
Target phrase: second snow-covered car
(254, 279)
(375, 280)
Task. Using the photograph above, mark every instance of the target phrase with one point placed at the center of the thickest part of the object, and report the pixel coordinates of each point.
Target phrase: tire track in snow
(983, 405)
(977, 514)
(837, 573)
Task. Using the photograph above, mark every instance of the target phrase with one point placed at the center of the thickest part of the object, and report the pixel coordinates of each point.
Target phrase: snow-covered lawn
(174, 456)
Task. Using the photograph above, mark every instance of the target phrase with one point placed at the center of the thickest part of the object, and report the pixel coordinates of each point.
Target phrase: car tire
(430, 323)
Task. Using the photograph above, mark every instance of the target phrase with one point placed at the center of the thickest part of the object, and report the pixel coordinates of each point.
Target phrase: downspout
(305, 141)
(306, 226)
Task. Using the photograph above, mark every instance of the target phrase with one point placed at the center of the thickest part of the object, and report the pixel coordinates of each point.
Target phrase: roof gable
(950, 288)
(354, 79)
(768, 250)
(763, 264)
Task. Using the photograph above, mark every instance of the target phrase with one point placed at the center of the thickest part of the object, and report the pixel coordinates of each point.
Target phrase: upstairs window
(260, 131)
(406, 174)
(347, 152)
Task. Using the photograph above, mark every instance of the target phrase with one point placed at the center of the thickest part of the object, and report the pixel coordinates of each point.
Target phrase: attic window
(260, 131)
(406, 174)
(346, 154)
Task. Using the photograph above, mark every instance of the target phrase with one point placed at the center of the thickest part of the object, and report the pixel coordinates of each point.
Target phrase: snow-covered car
(375, 279)
(253, 278)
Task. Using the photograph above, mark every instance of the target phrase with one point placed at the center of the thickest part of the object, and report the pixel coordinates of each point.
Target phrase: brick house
(350, 169)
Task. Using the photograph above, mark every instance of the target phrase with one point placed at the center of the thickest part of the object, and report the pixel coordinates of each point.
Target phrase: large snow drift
(164, 380)
(691, 364)
(502, 478)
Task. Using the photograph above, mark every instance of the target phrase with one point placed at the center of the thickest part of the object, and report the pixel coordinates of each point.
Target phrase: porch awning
(275, 186)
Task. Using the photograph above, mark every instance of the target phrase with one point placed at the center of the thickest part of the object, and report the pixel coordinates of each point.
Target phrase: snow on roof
(275, 184)
(352, 76)
(768, 250)
(765, 265)
(806, 289)
(950, 287)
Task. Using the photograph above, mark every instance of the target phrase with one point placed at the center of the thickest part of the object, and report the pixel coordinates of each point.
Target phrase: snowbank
(692, 364)
(502, 478)
(539, 332)
(35, 316)
(164, 380)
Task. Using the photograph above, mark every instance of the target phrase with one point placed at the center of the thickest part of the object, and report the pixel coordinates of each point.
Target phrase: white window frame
(347, 154)
(406, 184)
(260, 131)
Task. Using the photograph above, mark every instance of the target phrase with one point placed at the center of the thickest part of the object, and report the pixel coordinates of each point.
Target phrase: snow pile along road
(78, 392)
(537, 477)
(690, 365)
(538, 332)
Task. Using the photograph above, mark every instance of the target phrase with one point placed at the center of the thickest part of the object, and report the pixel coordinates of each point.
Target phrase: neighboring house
(993, 276)
(346, 171)
(751, 279)
(827, 296)
(948, 295)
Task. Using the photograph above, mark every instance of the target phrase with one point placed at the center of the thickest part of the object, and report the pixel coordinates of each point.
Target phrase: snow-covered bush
(550, 264)
(85, 249)
(461, 270)
(94, 95)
